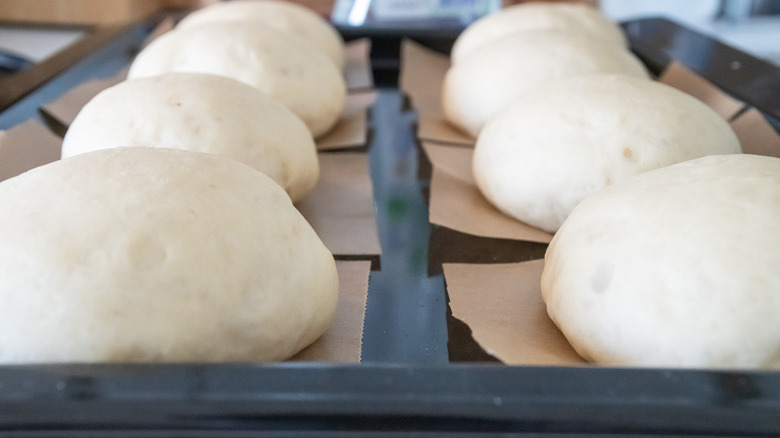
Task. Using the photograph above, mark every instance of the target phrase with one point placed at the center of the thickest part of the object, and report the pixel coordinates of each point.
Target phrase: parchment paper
(341, 206)
(26, 146)
(342, 342)
(351, 130)
(456, 203)
(357, 65)
(684, 79)
(502, 304)
(755, 134)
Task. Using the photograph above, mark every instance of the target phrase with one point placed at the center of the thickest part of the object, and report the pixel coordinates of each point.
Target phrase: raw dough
(486, 81)
(283, 15)
(205, 113)
(677, 267)
(566, 17)
(279, 64)
(563, 142)
(157, 255)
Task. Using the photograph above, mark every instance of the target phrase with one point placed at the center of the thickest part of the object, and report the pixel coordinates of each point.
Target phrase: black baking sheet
(405, 383)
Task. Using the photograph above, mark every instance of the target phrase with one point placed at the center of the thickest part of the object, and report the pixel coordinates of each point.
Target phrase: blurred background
(752, 26)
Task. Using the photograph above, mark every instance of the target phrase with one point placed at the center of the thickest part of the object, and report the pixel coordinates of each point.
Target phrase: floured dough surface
(677, 267)
(564, 142)
(281, 65)
(157, 255)
(284, 15)
(578, 18)
(204, 113)
(486, 81)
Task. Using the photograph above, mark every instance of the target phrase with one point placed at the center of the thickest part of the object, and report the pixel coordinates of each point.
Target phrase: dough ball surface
(157, 255)
(538, 159)
(279, 64)
(676, 267)
(204, 113)
(283, 15)
(477, 89)
(564, 17)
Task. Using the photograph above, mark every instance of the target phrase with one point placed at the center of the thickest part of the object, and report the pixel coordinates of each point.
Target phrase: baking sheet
(400, 393)
(485, 296)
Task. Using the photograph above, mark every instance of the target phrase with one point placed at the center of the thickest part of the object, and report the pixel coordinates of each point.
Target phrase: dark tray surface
(406, 382)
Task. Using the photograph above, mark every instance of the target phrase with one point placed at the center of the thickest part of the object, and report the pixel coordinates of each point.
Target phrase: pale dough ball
(561, 143)
(283, 15)
(204, 113)
(486, 81)
(288, 69)
(677, 267)
(565, 17)
(157, 255)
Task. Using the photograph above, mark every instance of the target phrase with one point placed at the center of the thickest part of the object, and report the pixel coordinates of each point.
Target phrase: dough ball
(157, 255)
(281, 65)
(487, 80)
(676, 267)
(564, 17)
(204, 113)
(561, 143)
(283, 15)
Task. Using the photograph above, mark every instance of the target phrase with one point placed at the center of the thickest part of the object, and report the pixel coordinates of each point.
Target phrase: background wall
(107, 11)
(115, 11)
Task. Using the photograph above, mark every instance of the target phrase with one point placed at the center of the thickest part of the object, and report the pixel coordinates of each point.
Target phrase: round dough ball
(285, 67)
(565, 17)
(487, 80)
(561, 143)
(283, 15)
(676, 267)
(157, 255)
(204, 113)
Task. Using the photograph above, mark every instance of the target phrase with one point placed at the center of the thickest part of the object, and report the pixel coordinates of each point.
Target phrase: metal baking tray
(406, 382)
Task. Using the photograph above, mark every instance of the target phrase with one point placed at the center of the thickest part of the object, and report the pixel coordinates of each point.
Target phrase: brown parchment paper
(26, 146)
(421, 77)
(351, 130)
(438, 129)
(756, 135)
(421, 74)
(456, 203)
(502, 304)
(66, 107)
(684, 79)
(341, 206)
(343, 340)
(357, 65)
